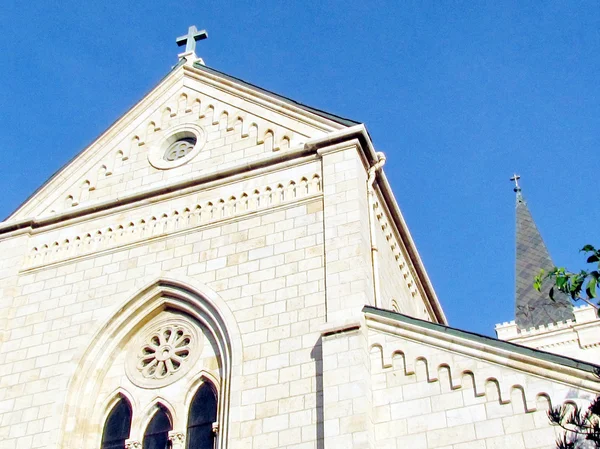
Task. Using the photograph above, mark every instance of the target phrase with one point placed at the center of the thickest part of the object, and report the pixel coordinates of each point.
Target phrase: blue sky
(457, 94)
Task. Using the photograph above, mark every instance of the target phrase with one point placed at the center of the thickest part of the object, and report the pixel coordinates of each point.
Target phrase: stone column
(348, 270)
(347, 388)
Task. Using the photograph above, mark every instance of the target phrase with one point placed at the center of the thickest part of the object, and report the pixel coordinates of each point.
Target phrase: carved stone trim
(166, 351)
(187, 217)
(256, 131)
(133, 444)
(177, 439)
(156, 154)
(163, 352)
(396, 247)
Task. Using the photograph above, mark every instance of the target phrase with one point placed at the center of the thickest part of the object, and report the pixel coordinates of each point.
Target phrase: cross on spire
(516, 178)
(190, 39)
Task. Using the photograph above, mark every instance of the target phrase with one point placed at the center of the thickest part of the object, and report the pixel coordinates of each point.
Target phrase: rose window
(166, 351)
(163, 351)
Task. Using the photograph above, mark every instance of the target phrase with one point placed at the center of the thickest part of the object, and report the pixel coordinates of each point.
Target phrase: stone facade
(244, 264)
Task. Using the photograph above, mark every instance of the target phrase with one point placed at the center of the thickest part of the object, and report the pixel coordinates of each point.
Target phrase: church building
(225, 267)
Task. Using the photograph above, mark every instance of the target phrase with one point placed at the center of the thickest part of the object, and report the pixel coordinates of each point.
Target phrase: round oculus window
(181, 145)
(180, 148)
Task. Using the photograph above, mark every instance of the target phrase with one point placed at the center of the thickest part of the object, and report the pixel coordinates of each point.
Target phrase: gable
(234, 123)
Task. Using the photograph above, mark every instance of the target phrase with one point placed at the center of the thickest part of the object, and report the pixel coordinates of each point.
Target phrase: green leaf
(593, 258)
(591, 289)
(537, 281)
(587, 248)
(551, 293)
(576, 285)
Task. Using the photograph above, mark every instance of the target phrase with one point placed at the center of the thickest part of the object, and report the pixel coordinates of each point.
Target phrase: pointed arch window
(202, 415)
(117, 426)
(157, 432)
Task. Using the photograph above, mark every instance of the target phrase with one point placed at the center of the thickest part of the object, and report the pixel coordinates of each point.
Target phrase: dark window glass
(117, 426)
(203, 413)
(157, 432)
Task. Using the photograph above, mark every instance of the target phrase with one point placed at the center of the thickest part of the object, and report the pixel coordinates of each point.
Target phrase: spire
(534, 308)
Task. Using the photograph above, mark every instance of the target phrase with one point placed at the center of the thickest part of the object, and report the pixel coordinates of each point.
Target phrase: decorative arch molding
(83, 420)
(140, 424)
(193, 386)
(112, 400)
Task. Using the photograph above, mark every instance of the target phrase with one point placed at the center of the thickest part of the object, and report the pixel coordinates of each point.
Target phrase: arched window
(117, 426)
(157, 432)
(203, 413)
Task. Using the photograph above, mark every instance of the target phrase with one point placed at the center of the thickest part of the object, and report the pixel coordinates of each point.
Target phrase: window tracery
(169, 348)
(164, 352)
(163, 306)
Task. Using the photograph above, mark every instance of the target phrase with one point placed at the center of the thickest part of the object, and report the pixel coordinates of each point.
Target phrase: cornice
(263, 100)
(269, 164)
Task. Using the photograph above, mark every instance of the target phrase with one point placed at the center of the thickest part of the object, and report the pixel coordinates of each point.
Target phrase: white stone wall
(266, 264)
(271, 262)
(263, 255)
(347, 405)
(430, 397)
(349, 273)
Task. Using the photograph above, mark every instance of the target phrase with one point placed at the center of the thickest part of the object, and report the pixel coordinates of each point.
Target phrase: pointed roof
(533, 308)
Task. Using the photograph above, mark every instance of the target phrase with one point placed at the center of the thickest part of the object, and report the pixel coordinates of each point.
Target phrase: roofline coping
(533, 361)
(370, 155)
(273, 95)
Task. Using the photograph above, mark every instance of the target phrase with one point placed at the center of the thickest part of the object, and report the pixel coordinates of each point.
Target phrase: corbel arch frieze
(82, 418)
(489, 381)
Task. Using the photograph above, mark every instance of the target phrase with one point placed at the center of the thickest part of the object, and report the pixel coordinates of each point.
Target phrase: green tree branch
(581, 427)
(583, 286)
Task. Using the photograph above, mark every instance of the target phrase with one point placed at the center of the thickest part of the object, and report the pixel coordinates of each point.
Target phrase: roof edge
(494, 350)
(108, 129)
(321, 113)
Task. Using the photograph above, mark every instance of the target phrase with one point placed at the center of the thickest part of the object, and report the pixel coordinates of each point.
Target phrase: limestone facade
(244, 264)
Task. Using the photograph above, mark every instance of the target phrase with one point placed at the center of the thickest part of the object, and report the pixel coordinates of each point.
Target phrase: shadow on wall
(317, 355)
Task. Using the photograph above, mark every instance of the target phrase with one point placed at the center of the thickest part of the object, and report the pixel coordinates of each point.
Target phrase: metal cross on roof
(516, 178)
(190, 39)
